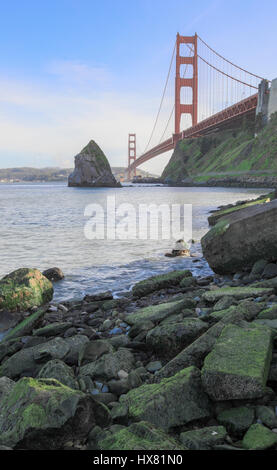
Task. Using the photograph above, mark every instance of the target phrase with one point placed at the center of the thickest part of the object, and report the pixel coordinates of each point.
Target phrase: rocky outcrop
(23, 289)
(39, 413)
(92, 169)
(241, 239)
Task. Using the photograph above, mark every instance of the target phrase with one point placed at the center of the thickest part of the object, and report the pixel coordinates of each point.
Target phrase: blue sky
(75, 70)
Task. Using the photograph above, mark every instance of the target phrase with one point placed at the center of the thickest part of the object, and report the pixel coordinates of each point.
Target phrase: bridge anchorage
(211, 93)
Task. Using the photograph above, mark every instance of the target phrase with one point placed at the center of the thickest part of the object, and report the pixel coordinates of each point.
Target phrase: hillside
(229, 154)
(51, 174)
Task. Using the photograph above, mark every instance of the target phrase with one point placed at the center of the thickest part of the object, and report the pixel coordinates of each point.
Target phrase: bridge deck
(217, 121)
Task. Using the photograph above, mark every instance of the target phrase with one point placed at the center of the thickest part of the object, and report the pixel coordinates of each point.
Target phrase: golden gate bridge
(211, 93)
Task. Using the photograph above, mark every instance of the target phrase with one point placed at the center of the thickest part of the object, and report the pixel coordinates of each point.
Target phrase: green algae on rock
(238, 365)
(238, 293)
(237, 420)
(258, 437)
(204, 438)
(157, 313)
(23, 289)
(175, 401)
(43, 413)
(139, 436)
(161, 281)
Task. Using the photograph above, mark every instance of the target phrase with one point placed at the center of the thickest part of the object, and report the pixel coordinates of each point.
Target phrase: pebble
(122, 374)
(154, 366)
(116, 331)
(52, 308)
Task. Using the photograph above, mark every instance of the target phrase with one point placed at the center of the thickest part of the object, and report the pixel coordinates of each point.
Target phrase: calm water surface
(43, 226)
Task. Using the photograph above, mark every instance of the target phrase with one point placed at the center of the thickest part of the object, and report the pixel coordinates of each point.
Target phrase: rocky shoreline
(178, 363)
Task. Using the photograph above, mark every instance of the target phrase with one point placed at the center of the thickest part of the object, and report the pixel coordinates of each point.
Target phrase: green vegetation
(228, 151)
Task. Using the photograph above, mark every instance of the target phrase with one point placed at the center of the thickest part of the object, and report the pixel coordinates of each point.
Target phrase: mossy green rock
(172, 402)
(57, 369)
(258, 437)
(238, 365)
(157, 313)
(268, 313)
(169, 339)
(237, 420)
(237, 292)
(204, 439)
(267, 416)
(161, 281)
(54, 329)
(235, 242)
(43, 414)
(139, 436)
(26, 326)
(23, 289)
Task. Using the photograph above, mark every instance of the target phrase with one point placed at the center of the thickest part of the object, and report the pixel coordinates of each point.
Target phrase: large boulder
(173, 402)
(23, 289)
(44, 414)
(238, 366)
(28, 361)
(92, 169)
(170, 338)
(242, 238)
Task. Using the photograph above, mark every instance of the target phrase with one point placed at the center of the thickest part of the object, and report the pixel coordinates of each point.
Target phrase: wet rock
(30, 360)
(270, 271)
(169, 339)
(234, 242)
(258, 267)
(175, 401)
(53, 274)
(236, 292)
(161, 281)
(157, 313)
(44, 414)
(269, 313)
(54, 329)
(108, 366)
(6, 386)
(93, 350)
(26, 326)
(92, 169)
(204, 439)
(238, 365)
(57, 369)
(138, 436)
(75, 344)
(153, 366)
(119, 413)
(23, 289)
(258, 437)
(237, 420)
(266, 415)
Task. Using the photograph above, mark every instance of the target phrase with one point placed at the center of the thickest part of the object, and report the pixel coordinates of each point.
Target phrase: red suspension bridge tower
(186, 108)
(132, 153)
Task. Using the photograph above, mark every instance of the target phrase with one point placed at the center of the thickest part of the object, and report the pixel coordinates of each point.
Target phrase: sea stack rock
(92, 169)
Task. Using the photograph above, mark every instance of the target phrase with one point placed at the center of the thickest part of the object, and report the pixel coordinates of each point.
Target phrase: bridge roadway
(218, 121)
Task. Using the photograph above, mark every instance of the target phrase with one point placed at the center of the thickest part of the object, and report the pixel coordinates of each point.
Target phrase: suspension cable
(161, 103)
(234, 65)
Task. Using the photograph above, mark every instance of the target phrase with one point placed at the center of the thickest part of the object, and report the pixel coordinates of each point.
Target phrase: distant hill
(52, 174)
